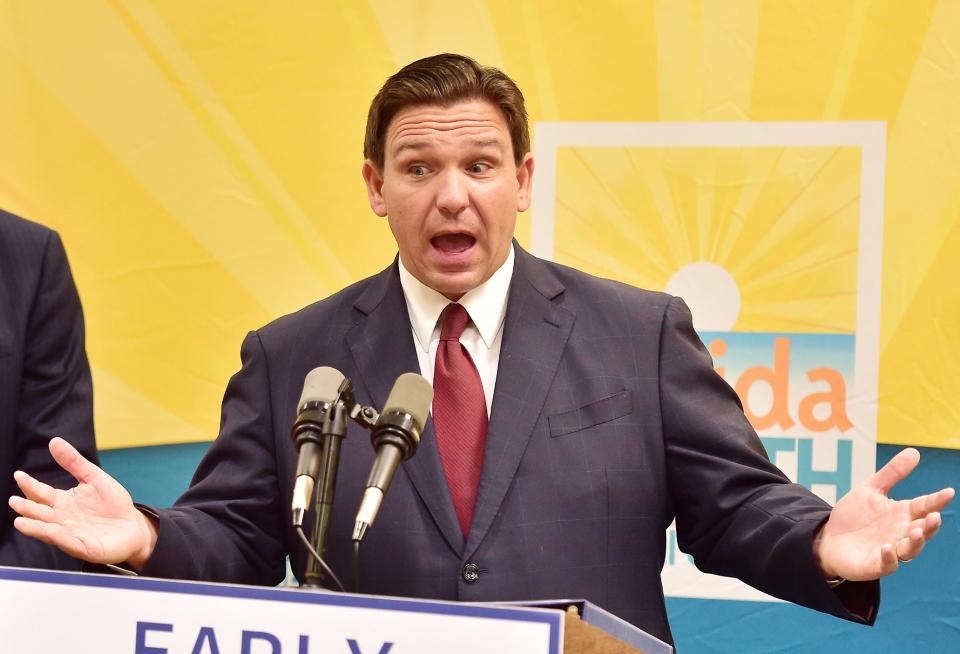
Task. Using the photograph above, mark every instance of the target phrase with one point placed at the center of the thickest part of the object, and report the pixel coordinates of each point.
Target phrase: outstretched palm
(868, 534)
(95, 520)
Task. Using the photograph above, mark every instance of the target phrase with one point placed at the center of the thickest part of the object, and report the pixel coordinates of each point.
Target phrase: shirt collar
(486, 304)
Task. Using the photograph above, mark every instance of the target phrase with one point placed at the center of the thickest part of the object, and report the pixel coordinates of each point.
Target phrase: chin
(455, 288)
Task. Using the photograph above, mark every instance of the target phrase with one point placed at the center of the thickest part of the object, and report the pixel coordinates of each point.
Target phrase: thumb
(68, 458)
(896, 470)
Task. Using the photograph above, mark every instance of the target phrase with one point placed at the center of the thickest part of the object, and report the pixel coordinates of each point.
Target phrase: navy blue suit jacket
(607, 421)
(45, 385)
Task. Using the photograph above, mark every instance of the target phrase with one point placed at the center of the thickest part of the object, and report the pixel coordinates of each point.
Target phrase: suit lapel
(382, 347)
(534, 337)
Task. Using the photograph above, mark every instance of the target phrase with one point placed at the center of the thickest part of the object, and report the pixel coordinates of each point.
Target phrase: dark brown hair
(443, 80)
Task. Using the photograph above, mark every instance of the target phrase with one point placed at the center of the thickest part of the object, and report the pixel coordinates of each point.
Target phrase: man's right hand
(95, 520)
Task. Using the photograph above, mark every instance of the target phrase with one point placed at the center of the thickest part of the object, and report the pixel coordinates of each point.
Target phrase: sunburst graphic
(774, 230)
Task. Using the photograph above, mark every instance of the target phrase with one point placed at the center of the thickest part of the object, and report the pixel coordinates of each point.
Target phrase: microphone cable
(356, 566)
(323, 564)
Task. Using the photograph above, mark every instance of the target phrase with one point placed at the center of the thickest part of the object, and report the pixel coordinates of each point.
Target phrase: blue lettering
(247, 638)
(207, 636)
(142, 629)
(304, 644)
(355, 648)
(673, 548)
(776, 444)
(838, 478)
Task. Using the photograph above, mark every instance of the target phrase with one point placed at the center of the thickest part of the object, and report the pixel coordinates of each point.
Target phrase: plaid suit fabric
(606, 423)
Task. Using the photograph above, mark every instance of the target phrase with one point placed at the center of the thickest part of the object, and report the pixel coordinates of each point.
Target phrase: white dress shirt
(486, 305)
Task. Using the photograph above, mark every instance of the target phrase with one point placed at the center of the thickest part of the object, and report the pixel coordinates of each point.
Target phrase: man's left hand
(868, 535)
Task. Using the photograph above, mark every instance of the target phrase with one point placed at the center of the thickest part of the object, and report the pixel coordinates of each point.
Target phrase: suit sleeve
(227, 526)
(56, 396)
(736, 512)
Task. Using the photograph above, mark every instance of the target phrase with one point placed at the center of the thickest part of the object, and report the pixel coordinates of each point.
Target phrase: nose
(453, 195)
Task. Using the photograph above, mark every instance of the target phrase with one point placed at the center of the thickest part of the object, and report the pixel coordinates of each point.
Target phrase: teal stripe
(155, 475)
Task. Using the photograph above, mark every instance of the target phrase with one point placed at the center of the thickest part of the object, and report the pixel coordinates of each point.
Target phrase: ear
(525, 182)
(374, 181)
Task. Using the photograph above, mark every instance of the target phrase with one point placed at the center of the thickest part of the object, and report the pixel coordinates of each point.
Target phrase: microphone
(320, 390)
(395, 437)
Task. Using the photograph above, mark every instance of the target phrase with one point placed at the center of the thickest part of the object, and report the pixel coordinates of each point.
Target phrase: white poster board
(69, 612)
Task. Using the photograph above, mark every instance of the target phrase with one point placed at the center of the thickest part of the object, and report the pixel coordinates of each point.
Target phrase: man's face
(451, 192)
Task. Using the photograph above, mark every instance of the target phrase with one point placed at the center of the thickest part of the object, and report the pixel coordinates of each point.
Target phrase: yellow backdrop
(202, 161)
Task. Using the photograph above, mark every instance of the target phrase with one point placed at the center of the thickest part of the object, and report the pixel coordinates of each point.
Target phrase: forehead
(426, 125)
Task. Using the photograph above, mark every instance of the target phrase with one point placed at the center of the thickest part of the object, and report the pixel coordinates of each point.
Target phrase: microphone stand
(334, 430)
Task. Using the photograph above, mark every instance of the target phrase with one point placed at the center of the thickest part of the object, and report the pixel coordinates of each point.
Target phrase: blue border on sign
(551, 618)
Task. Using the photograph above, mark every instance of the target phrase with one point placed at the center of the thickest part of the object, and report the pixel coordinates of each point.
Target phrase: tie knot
(453, 321)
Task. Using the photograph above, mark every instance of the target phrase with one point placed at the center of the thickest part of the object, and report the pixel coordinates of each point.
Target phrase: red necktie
(459, 414)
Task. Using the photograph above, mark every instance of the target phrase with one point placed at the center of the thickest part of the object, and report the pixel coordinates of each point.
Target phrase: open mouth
(453, 243)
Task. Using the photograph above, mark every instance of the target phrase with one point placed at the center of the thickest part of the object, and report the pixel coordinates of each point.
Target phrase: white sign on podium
(43, 611)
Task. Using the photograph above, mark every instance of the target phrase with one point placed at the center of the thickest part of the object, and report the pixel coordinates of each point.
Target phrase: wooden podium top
(582, 638)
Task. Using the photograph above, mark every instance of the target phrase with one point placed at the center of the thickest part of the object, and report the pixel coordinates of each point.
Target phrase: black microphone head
(395, 437)
(321, 385)
(411, 394)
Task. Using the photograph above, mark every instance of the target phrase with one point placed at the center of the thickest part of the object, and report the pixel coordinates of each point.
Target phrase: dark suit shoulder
(29, 252)
(323, 320)
(580, 291)
(23, 240)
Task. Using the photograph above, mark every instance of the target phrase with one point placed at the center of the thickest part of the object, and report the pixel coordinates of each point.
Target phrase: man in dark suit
(587, 415)
(45, 385)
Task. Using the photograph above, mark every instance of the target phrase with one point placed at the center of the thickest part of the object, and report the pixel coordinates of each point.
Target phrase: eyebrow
(420, 145)
(411, 145)
(486, 143)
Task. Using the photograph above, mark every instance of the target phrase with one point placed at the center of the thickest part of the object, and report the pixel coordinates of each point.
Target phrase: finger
(931, 525)
(51, 534)
(895, 471)
(910, 547)
(29, 509)
(67, 456)
(888, 559)
(34, 489)
(925, 504)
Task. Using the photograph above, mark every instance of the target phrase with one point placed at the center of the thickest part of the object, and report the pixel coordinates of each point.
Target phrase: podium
(45, 611)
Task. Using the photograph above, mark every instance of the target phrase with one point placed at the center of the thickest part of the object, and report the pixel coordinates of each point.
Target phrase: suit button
(471, 572)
